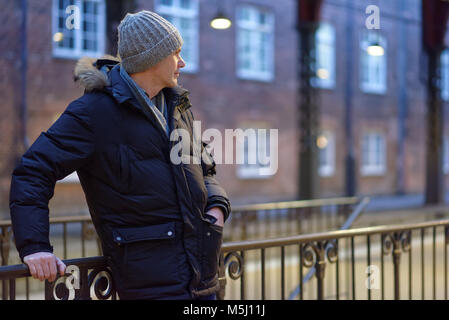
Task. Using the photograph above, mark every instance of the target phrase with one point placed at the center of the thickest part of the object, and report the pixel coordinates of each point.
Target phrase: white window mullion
(174, 13)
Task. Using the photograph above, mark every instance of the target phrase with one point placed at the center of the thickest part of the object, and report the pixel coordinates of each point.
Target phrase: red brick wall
(223, 101)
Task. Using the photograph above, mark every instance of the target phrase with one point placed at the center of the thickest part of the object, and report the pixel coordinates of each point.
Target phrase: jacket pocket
(212, 241)
(150, 255)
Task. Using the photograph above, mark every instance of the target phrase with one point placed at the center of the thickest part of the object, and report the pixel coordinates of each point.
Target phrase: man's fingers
(40, 272)
(33, 270)
(53, 269)
(61, 266)
(45, 269)
(44, 265)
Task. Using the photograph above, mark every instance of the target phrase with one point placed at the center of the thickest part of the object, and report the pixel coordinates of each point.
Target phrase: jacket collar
(176, 96)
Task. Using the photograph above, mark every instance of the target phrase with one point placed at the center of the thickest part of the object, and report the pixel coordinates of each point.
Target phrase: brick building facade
(225, 97)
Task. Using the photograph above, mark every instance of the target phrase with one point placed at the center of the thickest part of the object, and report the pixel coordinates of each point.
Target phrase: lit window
(255, 38)
(183, 14)
(373, 154)
(373, 59)
(326, 147)
(78, 28)
(325, 57)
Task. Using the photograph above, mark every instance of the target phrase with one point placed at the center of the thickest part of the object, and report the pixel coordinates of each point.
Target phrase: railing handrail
(296, 204)
(65, 219)
(250, 207)
(21, 270)
(330, 235)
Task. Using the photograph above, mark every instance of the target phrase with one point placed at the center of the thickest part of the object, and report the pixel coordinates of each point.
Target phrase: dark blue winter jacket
(147, 211)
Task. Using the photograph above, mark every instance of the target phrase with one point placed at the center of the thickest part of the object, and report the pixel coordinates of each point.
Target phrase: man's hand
(44, 265)
(217, 213)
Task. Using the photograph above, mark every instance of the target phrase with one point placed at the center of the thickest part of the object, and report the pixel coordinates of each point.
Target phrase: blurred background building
(368, 81)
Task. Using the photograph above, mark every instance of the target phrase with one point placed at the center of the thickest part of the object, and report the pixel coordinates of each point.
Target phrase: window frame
(77, 52)
(318, 82)
(252, 26)
(327, 170)
(177, 12)
(248, 171)
(371, 169)
(444, 80)
(368, 61)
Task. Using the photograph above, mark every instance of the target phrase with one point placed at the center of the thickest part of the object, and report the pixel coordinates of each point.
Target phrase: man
(160, 223)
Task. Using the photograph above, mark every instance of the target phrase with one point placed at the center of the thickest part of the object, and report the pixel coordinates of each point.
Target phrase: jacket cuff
(33, 248)
(224, 205)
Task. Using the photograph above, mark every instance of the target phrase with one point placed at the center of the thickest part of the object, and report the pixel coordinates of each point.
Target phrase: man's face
(167, 70)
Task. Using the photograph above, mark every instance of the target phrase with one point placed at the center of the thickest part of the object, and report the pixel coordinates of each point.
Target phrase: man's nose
(181, 63)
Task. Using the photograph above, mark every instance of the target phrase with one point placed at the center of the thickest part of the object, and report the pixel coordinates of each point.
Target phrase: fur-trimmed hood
(100, 74)
(89, 76)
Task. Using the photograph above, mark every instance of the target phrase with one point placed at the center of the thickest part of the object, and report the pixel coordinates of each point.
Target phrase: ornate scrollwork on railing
(397, 242)
(101, 284)
(80, 285)
(233, 262)
(332, 251)
(315, 253)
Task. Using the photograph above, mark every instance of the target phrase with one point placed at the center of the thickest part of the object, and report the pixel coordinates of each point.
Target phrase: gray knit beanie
(144, 39)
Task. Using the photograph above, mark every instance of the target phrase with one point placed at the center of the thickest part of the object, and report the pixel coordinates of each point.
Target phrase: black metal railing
(76, 235)
(276, 219)
(349, 264)
(363, 263)
(88, 278)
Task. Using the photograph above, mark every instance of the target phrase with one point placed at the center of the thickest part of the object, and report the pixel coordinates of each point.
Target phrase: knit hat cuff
(146, 59)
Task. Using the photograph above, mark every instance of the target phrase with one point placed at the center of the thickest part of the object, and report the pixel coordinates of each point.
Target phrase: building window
(78, 28)
(373, 59)
(446, 154)
(326, 147)
(445, 75)
(373, 154)
(325, 57)
(256, 150)
(183, 14)
(255, 42)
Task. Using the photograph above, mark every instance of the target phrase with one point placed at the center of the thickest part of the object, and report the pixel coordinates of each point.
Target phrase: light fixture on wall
(221, 22)
(375, 49)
